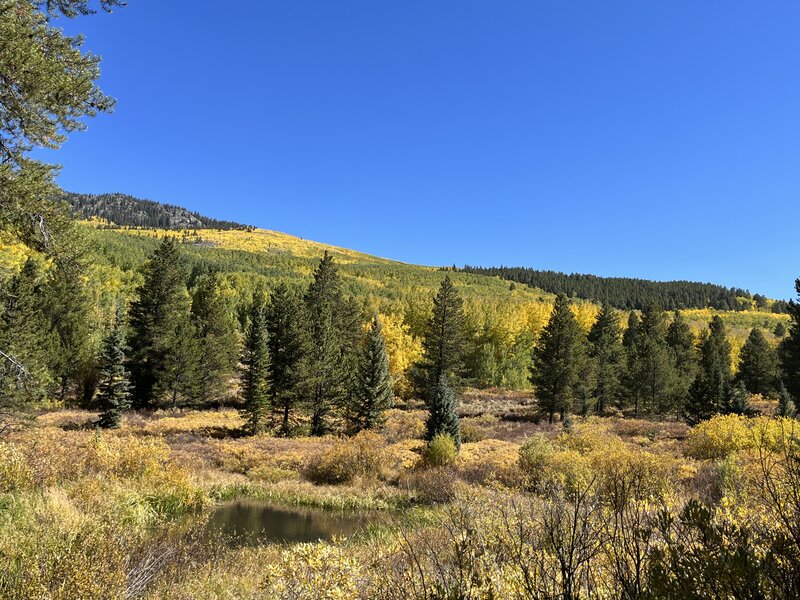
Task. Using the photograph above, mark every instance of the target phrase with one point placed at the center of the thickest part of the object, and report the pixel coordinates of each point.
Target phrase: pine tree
(758, 365)
(160, 310)
(786, 406)
(25, 340)
(650, 374)
(606, 352)
(710, 392)
(114, 389)
(288, 348)
(442, 415)
(178, 375)
(373, 394)
(789, 350)
(740, 400)
(255, 374)
(333, 341)
(681, 343)
(780, 330)
(558, 359)
(215, 330)
(631, 330)
(443, 342)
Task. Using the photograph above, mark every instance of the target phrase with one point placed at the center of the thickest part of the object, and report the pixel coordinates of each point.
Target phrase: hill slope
(128, 211)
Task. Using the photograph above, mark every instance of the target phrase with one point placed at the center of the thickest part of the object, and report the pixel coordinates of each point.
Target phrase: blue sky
(647, 139)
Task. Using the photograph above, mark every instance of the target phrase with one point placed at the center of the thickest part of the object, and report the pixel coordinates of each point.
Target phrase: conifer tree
(442, 415)
(740, 400)
(710, 393)
(255, 373)
(758, 365)
(373, 394)
(25, 340)
(681, 343)
(215, 330)
(631, 330)
(786, 406)
(606, 352)
(650, 374)
(443, 342)
(780, 330)
(158, 320)
(177, 377)
(558, 359)
(288, 348)
(333, 342)
(789, 350)
(114, 388)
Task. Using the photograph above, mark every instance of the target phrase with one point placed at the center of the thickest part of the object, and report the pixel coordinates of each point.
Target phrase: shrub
(363, 456)
(441, 451)
(431, 486)
(534, 456)
(719, 436)
(403, 425)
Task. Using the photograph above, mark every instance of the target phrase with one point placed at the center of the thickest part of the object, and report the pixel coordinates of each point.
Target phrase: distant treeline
(128, 211)
(629, 293)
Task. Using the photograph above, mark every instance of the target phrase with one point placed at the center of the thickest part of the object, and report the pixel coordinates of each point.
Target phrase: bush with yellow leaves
(363, 456)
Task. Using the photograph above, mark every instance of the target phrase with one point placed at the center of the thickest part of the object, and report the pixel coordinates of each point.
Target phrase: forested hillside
(631, 293)
(128, 211)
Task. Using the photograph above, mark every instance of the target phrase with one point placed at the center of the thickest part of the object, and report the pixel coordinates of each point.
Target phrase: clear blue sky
(648, 139)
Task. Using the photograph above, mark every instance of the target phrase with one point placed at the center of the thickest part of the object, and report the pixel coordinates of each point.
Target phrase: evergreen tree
(606, 352)
(443, 342)
(711, 389)
(740, 400)
(681, 343)
(631, 330)
(333, 342)
(286, 322)
(442, 415)
(158, 320)
(789, 350)
(373, 394)
(786, 406)
(780, 330)
(255, 374)
(25, 340)
(650, 374)
(215, 329)
(178, 375)
(758, 365)
(558, 360)
(114, 388)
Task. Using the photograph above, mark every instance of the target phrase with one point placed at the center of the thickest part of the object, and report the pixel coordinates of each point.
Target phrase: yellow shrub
(487, 460)
(404, 425)
(719, 436)
(364, 455)
(314, 572)
(441, 451)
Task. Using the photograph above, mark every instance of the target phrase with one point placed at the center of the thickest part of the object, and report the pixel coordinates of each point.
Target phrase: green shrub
(441, 451)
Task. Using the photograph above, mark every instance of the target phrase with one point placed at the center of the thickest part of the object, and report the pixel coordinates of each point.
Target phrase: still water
(246, 522)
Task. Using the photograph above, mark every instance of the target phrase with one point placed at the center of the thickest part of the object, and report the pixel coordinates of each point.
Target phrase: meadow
(612, 507)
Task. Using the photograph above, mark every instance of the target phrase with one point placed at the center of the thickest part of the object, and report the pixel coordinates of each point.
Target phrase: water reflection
(246, 522)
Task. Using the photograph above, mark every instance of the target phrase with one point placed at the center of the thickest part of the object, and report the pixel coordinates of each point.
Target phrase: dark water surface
(248, 522)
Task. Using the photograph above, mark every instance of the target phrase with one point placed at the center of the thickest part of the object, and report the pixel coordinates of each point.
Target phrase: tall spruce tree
(558, 360)
(114, 387)
(789, 350)
(255, 371)
(215, 329)
(178, 374)
(607, 354)
(373, 394)
(758, 365)
(442, 415)
(681, 343)
(443, 342)
(25, 340)
(786, 406)
(288, 348)
(158, 321)
(333, 342)
(650, 375)
(711, 390)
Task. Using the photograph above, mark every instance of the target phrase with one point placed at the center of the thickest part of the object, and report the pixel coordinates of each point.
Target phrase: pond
(247, 522)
